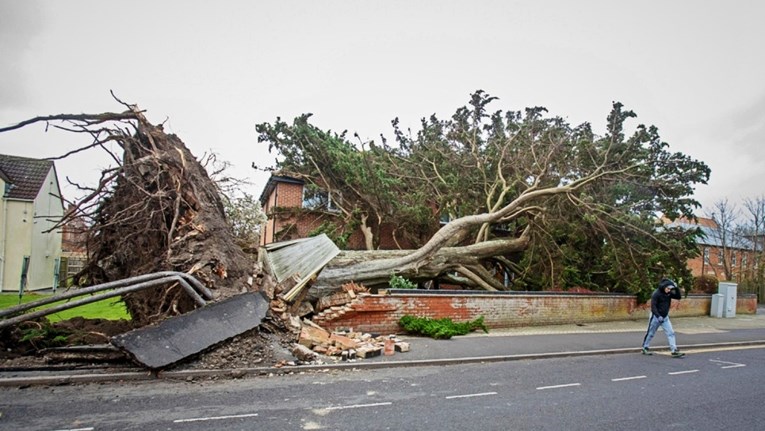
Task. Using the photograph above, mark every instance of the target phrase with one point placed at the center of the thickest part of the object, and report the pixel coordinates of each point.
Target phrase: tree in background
(729, 237)
(531, 202)
(754, 229)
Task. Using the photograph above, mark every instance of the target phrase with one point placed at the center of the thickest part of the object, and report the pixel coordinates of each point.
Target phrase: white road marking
(674, 373)
(215, 418)
(356, 406)
(471, 395)
(558, 386)
(621, 379)
(730, 364)
(77, 429)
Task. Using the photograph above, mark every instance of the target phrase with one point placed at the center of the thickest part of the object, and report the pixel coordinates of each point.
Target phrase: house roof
(712, 236)
(25, 175)
(273, 180)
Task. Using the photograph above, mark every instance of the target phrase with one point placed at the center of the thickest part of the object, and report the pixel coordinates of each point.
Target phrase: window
(744, 260)
(720, 257)
(706, 254)
(733, 259)
(317, 199)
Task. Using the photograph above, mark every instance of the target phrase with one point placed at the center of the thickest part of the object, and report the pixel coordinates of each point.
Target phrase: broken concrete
(183, 336)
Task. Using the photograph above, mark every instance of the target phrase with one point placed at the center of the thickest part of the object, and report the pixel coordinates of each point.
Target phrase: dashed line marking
(357, 406)
(541, 388)
(215, 418)
(471, 395)
(77, 429)
(621, 379)
(675, 373)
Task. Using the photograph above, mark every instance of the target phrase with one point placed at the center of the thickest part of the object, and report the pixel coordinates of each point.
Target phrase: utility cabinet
(728, 291)
(718, 303)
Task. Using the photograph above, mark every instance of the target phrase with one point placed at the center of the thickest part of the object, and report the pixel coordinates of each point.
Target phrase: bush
(398, 282)
(705, 284)
(440, 328)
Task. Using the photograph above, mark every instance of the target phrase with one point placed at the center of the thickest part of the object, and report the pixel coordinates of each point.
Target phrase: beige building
(30, 249)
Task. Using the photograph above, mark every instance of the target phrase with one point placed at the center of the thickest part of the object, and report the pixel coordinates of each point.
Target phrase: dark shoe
(646, 351)
(677, 354)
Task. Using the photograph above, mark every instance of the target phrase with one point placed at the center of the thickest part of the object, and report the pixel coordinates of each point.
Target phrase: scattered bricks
(336, 299)
(288, 284)
(322, 350)
(278, 306)
(342, 341)
(402, 346)
(368, 352)
(293, 324)
(303, 353)
(304, 309)
(389, 349)
(310, 336)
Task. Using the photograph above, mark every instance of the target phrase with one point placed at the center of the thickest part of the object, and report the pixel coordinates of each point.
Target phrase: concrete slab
(179, 337)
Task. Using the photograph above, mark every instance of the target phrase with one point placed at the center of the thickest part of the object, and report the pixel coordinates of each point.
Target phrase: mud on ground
(29, 344)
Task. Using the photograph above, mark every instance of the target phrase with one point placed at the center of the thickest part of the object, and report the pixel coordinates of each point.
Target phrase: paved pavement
(693, 333)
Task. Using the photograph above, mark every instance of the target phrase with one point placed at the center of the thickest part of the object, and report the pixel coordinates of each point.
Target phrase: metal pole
(94, 298)
(191, 281)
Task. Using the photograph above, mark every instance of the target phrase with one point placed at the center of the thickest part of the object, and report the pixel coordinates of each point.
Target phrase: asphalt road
(707, 390)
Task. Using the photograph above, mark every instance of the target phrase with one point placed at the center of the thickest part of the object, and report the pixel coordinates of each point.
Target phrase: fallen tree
(157, 210)
(532, 202)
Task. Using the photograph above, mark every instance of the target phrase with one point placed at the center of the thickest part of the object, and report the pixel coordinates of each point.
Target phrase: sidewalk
(585, 339)
(498, 345)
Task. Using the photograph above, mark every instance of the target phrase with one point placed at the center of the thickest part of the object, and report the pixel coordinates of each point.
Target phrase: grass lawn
(109, 308)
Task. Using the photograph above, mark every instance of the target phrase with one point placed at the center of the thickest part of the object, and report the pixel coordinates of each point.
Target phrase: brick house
(295, 211)
(717, 247)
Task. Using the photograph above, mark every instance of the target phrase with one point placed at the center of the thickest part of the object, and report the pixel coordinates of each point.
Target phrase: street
(707, 390)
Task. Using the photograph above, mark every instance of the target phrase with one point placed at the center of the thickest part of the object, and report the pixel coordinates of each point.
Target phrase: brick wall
(380, 313)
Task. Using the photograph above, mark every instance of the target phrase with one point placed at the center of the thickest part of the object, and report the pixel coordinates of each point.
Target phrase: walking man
(660, 302)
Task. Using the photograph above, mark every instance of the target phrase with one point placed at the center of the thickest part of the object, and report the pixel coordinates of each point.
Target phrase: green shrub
(45, 335)
(440, 328)
(398, 282)
(705, 284)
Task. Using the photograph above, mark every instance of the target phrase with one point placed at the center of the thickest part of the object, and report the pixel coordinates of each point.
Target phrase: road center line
(77, 429)
(674, 373)
(621, 379)
(356, 406)
(471, 395)
(558, 386)
(724, 362)
(733, 366)
(215, 418)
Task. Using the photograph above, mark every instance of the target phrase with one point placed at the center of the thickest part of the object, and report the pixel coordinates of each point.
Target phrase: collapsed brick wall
(381, 313)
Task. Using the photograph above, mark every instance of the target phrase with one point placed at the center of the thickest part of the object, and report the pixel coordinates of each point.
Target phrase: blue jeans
(653, 326)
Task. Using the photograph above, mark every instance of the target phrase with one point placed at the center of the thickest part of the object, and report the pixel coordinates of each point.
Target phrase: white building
(30, 249)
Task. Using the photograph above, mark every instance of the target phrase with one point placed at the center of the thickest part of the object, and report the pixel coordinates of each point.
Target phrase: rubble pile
(346, 344)
(313, 341)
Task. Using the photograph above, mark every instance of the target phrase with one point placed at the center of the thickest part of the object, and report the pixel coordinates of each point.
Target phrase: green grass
(109, 308)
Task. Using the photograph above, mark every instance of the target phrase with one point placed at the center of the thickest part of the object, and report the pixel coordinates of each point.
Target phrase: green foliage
(245, 216)
(440, 328)
(331, 230)
(398, 282)
(601, 236)
(45, 335)
(705, 284)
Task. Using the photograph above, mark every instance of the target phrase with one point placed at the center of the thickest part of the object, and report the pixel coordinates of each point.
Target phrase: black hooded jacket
(661, 301)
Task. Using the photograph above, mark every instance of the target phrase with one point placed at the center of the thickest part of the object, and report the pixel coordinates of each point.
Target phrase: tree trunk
(374, 268)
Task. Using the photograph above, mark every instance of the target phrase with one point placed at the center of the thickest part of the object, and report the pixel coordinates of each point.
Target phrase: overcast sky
(213, 70)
